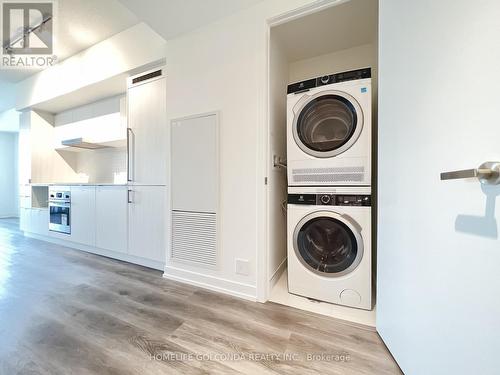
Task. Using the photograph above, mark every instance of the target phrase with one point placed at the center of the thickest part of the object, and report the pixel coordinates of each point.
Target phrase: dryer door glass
(326, 124)
(326, 245)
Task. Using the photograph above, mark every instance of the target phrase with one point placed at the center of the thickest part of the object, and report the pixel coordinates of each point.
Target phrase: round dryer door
(328, 244)
(327, 124)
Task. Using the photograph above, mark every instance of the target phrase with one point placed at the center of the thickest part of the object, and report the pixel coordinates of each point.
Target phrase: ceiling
(349, 24)
(81, 24)
(170, 18)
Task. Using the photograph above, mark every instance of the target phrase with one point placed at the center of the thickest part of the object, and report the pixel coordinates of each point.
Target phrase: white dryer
(329, 244)
(329, 133)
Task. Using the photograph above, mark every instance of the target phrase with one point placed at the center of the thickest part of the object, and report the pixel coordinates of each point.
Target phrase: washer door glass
(326, 245)
(326, 124)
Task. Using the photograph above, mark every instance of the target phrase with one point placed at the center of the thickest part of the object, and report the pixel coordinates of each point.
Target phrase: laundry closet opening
(322, 128)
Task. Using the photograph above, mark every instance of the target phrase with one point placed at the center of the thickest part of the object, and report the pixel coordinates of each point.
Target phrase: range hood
(81, 143)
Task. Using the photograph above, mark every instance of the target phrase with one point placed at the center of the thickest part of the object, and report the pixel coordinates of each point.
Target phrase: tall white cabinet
(147, 166)
(147, 131)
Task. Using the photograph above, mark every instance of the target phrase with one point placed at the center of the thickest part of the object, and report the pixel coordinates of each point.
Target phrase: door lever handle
(488, 173)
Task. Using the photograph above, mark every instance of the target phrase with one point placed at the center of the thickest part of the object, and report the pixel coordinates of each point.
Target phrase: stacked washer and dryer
(329, 148)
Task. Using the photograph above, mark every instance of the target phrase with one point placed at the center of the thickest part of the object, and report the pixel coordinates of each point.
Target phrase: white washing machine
(329, 244)
(329, 133)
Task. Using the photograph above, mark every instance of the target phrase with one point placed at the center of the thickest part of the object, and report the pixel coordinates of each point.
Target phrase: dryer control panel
(330, 199)
(351, 75)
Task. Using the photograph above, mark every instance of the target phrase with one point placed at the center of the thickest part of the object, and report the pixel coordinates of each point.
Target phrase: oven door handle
(62, 205)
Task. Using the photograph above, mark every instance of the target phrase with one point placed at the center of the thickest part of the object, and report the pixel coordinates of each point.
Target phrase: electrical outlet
(242, 267)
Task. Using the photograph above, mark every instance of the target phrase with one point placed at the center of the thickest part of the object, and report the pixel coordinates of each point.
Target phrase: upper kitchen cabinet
(38, 161)
(96, 125)
(147, 132)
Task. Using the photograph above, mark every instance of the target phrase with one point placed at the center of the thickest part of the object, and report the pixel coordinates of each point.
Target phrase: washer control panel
(330, 199)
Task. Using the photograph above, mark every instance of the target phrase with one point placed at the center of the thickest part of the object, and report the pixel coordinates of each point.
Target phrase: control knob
(325, 199)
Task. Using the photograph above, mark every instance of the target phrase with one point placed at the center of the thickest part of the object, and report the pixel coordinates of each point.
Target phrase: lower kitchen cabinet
(34, 220)
(25, 219)
(39, 221)
(111, 218)
(146, 222)
(83, 209)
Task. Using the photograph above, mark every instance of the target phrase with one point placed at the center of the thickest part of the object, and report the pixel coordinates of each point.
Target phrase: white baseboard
(103, 252)
(217, 284)
(277, 274)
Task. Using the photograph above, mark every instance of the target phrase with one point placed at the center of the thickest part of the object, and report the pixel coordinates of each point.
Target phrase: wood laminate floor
(64, 311)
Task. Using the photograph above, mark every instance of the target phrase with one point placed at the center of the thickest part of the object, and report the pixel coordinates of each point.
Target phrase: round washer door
(328, 244)
(327, 124)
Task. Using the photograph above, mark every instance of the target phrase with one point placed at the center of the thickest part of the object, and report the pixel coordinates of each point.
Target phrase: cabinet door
(39, 221)
(25, 219)
(147, 222)
(111, 218)
(148, 133)
(83, 215)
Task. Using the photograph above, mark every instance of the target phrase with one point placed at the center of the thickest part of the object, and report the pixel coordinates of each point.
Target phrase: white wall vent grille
(194, 237)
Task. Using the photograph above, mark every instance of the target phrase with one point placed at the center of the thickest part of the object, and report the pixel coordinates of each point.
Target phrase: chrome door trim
(353, 227)
(328, 154)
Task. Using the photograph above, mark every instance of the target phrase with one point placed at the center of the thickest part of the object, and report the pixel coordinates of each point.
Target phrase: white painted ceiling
(80, 25)
(349, 24)
(83, 23)
(170, 18)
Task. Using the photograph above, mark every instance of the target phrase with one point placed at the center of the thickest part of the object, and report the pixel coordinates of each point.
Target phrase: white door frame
(264, 152)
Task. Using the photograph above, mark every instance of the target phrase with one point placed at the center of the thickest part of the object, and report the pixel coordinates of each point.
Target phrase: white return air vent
(194, 237)
(195, 190)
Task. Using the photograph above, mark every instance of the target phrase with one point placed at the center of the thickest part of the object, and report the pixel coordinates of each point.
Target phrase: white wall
(108, 165)
(223, 67)
(348, 59)
(7, 97)
(9, 202)
(9, 121)
(123, 52)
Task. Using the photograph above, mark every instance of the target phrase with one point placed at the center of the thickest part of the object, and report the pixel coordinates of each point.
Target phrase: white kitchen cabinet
(25, 201)
(83, 215)
(34, 220)
(25, 219)
(147, 138)
(146, 229)
(39, 221)
(111, 218)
